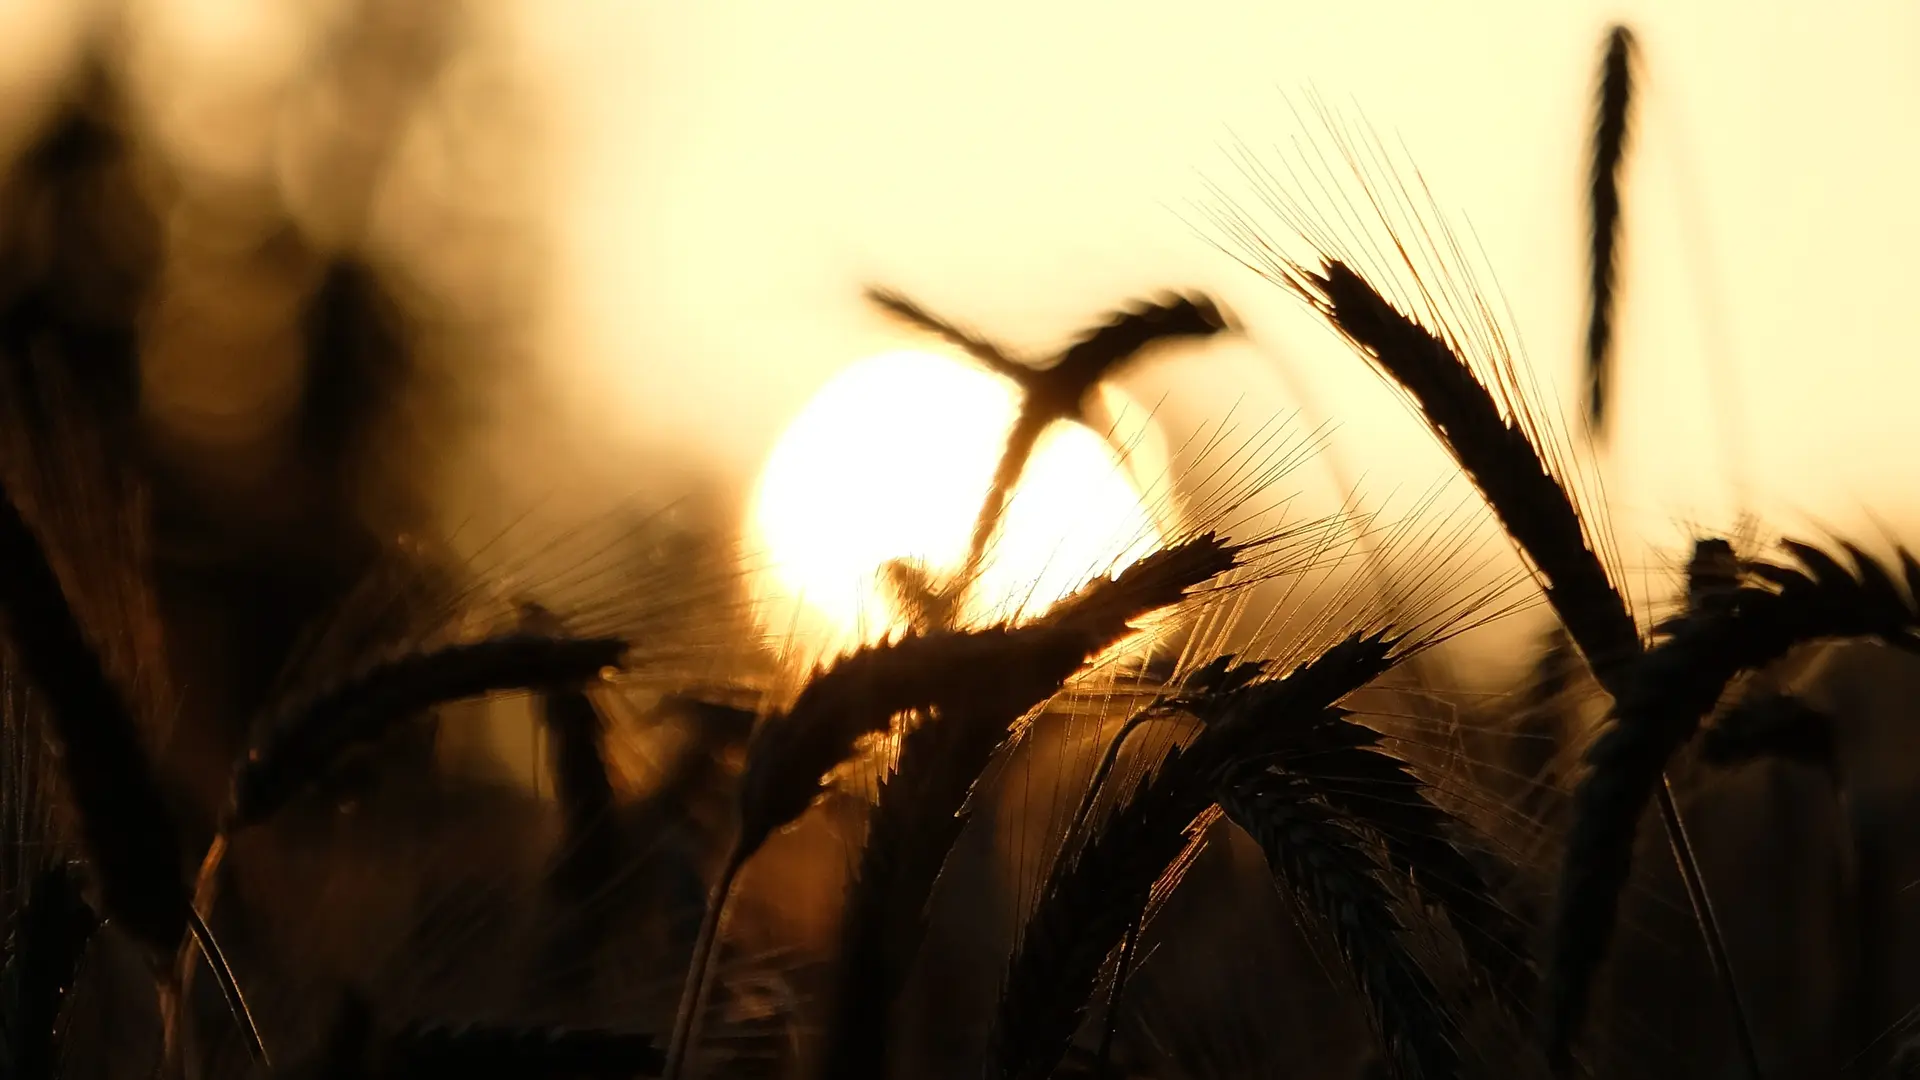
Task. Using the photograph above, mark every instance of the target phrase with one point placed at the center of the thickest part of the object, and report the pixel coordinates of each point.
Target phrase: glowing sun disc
(891, 459)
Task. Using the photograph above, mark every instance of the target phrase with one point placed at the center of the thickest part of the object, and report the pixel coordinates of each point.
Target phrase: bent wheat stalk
(1060, 388)
(1327, 868)
(1660, 708)
(1003, 671)
(1095, 890)
(921, 808)
(306, 738)
(1500, 458)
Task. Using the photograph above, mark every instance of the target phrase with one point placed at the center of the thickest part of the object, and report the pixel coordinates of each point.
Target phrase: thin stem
(1709, 923)
(229, 988)
(1080, 815)
(693, 997)
(168, 996)
(1022, 438)
(1120, 971)
(1862, 883)
(201, 942)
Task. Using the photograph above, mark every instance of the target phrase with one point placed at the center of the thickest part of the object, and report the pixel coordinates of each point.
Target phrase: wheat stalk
(921, 807)
(1498, 455)
(305, 739)
(1060, 388)
(1007, 669)
(1660, 707)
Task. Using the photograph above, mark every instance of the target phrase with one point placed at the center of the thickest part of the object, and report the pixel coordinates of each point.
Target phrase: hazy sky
(717, 180)
(735, 171)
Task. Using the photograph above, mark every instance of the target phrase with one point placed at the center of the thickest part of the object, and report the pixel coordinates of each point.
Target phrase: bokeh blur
(377, 269)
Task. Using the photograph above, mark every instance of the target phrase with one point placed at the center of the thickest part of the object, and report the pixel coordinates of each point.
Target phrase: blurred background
(726, 176)
(350, 270)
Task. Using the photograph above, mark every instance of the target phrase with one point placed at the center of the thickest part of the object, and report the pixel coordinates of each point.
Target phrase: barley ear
(922, 804)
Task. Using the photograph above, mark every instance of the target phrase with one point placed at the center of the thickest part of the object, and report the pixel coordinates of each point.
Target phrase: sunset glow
(890, 460)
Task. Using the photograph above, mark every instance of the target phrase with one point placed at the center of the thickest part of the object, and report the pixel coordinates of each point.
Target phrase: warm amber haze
(890, 460)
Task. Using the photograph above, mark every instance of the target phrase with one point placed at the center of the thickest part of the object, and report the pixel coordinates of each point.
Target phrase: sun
(890, 461)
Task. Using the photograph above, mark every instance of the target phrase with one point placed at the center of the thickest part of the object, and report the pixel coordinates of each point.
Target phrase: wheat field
(398, 677)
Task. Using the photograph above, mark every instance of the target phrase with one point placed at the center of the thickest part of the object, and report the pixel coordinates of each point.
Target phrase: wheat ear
(1609, 149)
(1500, 458)
(921, 808)
(1095, 890)
(1319, 860)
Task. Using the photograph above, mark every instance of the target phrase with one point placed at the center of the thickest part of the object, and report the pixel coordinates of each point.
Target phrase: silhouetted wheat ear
(1096, 890)
(1058, 389)
(859, 695)
(1661, 705)
(1610, 133)
(1101, 352)
(1083, 911)
(125, 825)
(1333, 876)
(1019, 666)
(500, 1052)
(981, 349)
(1495, 453)
(923, 603)
(921, 807)
(48, 937)
(1339, 761)
(300, 742)
(1537, 513)
(1218, 676)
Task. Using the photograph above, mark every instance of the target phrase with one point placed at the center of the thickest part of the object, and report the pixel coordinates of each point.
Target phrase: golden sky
(737, 170)
(715, 182)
